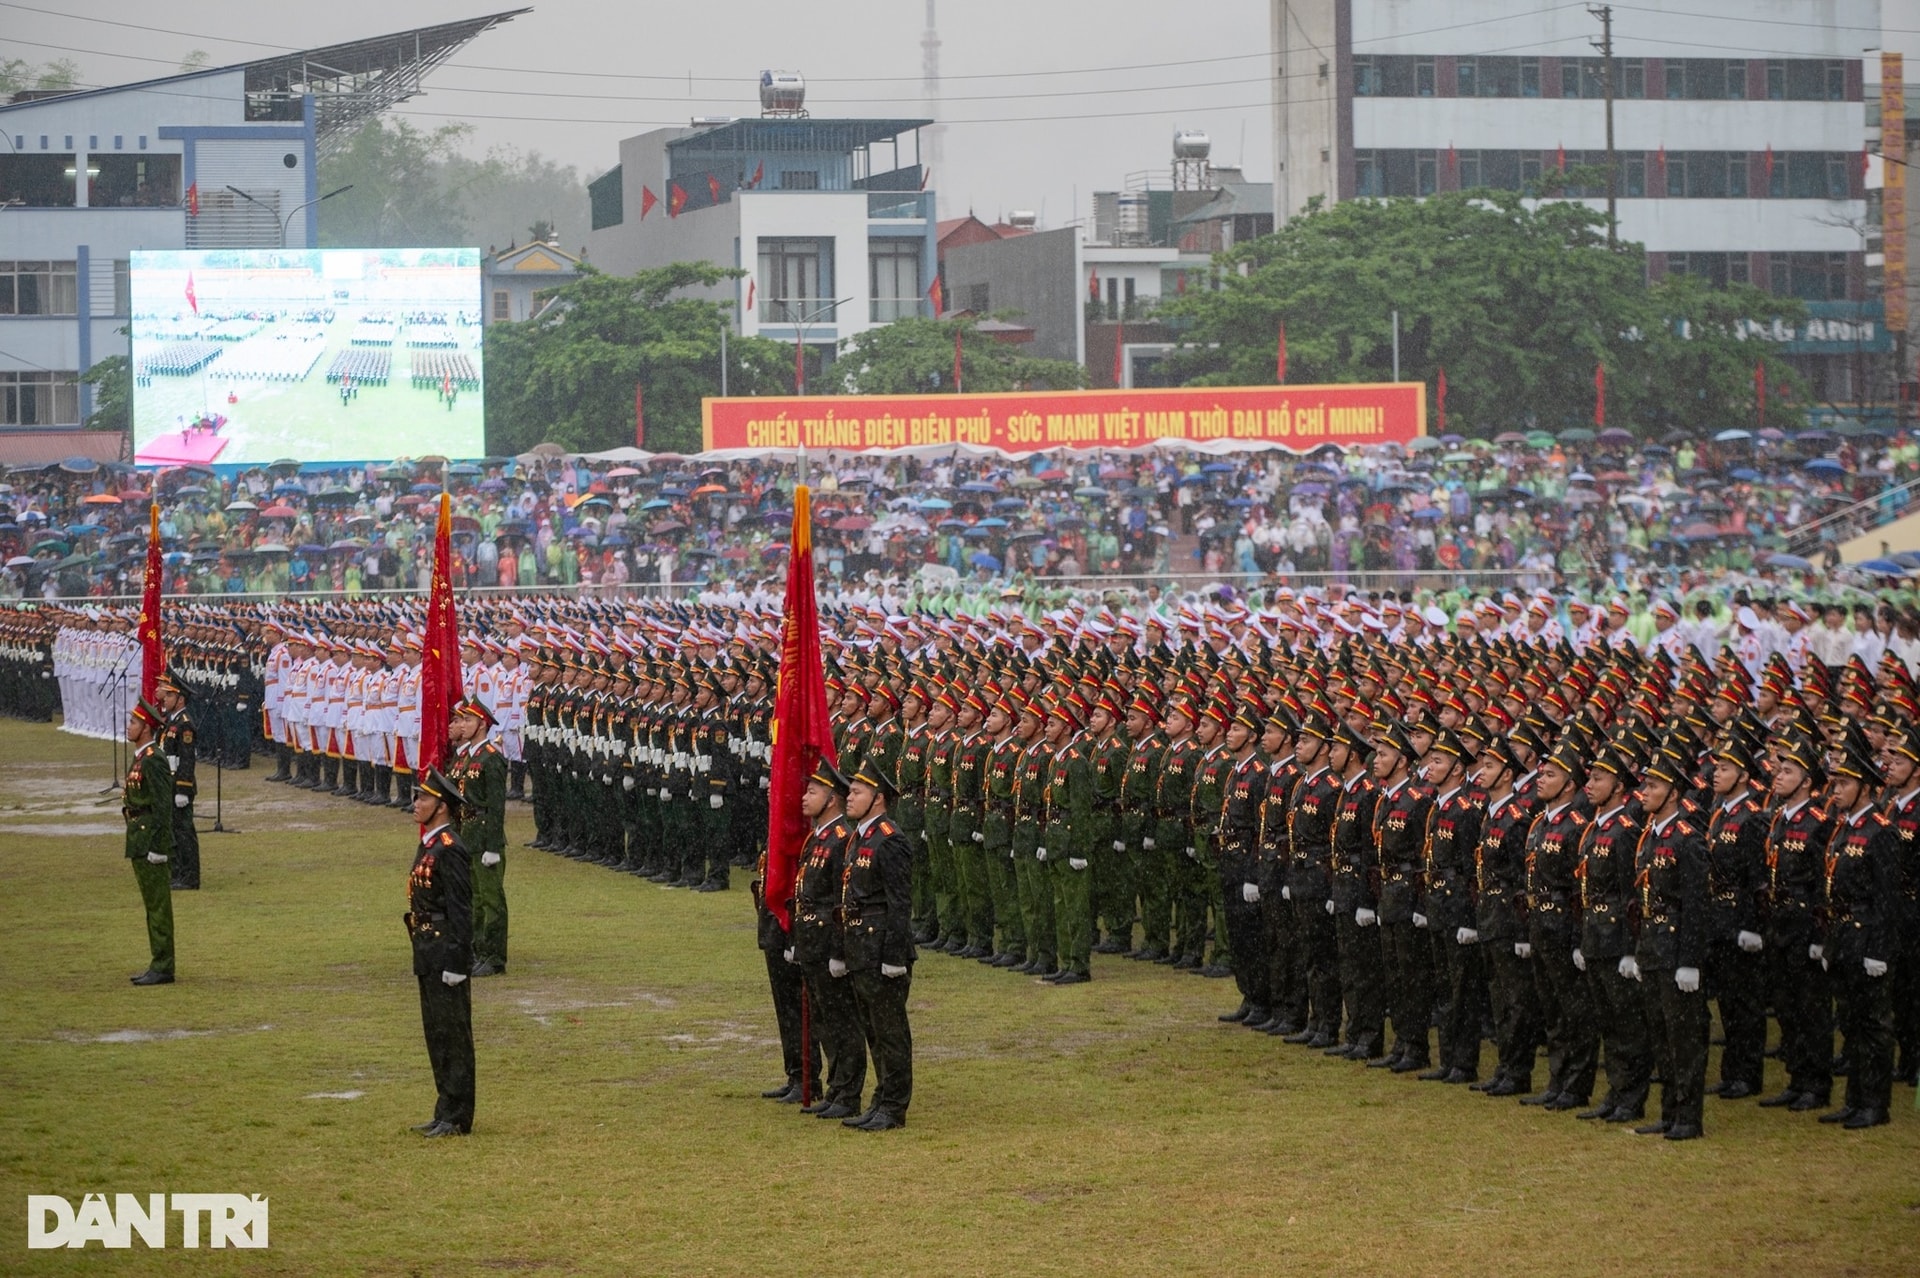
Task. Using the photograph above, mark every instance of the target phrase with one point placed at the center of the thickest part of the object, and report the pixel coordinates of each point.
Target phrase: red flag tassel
(153, 656)
(801, 733)
(440, 675)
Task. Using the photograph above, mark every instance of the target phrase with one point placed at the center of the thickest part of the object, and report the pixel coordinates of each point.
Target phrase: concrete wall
(1038, 276)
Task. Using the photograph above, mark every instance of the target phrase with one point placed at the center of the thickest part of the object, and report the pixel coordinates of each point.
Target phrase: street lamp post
(286, 223)
(800, 338)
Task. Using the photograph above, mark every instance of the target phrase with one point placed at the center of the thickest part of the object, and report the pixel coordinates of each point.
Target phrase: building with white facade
(827, 217)
(221, 158)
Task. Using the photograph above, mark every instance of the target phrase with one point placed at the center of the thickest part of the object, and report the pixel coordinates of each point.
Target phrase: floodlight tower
(930, 91)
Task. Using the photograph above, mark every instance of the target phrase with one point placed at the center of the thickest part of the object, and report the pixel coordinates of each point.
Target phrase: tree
(568, 375)
(112, 380)
(915, 357)
(17, 74)
(195, 60)
(1518, 300)
(396, 201)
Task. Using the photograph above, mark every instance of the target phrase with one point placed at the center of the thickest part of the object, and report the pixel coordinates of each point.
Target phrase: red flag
(750, 293)
(1866, 157)
(1093, 285)
(1599, 394)
(1660, 162)
(759, 171)
(440, 686)
(647, 200)
(676, 199)
(1120, 353)
(1282, 365)
(799, 367)
(446, 383)
(153, 657)
(1560, 158)
(713, 187)
(1760, 392)
(1766, 161)
(956, 359)
(192, 299)
(926, 175)
(193, 199)
(802, 735)
(938, 296)
(1453, 159)
(639, 419)
(1440, 400)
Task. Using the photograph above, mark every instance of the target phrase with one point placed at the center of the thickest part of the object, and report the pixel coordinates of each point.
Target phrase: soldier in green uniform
(910, 776)
(999, 788)
(147, 804)
(439, 925)
(480, 770)
(958, 771)
(1107, 748)
(1196, 875)
(874, 944)
(178, 745)
(1172, 836)
(1139, 779)
(1034, 891)
(1069, 832)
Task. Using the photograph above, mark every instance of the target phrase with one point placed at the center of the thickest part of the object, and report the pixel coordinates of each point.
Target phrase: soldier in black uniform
(1446, 908)
(1286, 984)
(1736, 874)
(835, 1016)
(1400, 835)
(1316, 797)
(874, 944)
(1900, 764)
(439, 921)
(1499, 879)
(1238, 858)
(1671, 878)
(1553, 848)
(1797, 984)
(1605, 872)
(1353, 903)
(178, 744)
(1861, 932)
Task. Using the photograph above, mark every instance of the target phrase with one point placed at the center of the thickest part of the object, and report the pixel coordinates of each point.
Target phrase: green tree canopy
(112, 380)
(568, 375)
(915, 357)
(1517, 300)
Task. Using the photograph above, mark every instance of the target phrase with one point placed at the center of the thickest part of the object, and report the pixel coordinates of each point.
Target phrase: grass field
(1111, 1127)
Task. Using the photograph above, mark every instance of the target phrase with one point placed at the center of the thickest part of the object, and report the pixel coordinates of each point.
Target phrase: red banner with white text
(1297, 418)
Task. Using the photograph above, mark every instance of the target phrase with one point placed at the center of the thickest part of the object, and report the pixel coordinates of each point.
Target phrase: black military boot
(383, 786)
(517, 780)
(282, 757)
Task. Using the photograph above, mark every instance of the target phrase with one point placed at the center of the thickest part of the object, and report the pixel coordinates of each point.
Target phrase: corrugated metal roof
(39, 447)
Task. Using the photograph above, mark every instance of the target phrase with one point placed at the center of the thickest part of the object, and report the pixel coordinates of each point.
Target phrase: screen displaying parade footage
(250, 355)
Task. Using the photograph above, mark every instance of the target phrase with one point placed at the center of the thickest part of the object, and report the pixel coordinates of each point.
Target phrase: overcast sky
(1046, 100)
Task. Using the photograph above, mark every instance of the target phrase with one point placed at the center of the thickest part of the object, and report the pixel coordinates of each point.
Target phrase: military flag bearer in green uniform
(439, 921)
(177, 743)
(147, 804)
(480, 770)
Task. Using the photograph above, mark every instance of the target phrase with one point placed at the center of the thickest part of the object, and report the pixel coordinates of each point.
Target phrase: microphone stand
(219, 772)
(117, 691)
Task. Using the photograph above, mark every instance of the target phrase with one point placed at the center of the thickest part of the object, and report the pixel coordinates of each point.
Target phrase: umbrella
(1423, 444)
(981, 559)
(287, 486)
(852, 523)
(1826, 465)
(1009, 503)
(348, 543)
(1744, 475)
(658, 503)
(279, 512)
(1218, 468)
(284, 463)
(241, 507)
(622, 472)
(49, 545)
(79, 465)
(1090, 490)
(1027, 481)
(592, 501)
(940, 503)
(708, 490)
(188, 490)
(493, 485)
(423, 490)
(1576, 435)
(466, 470)
(1699, 532)
(979, 486)
(100, 499)
(1539, 439)
(269, 548)
(1792, 563)
(1732, 436)
(991, 523)
(668, 525)
(22, 561)
(1882, 568)
(1509, 437)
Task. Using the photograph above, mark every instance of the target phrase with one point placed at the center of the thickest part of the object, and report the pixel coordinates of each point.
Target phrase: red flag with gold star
(153, 655)
(440, 688)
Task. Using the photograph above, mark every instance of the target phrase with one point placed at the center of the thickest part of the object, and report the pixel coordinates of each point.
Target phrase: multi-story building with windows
(221, 158)
(1740, 133)
(827, 218)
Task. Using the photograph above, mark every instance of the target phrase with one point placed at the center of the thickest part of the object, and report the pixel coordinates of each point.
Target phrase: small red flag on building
(153, 656)
(750, 291)
(440, 688)
(802, 735)
(1599, 394)
(676, 199)
(647, 200)
(1766, 161)
(193, 199)
(938, 296)
(193, 298)
(1093, 285)
(713, 187)
(759, 171)
(957, 388)
(1453, 159)
(1281, 367)
(1440, 400)
(1560, 158)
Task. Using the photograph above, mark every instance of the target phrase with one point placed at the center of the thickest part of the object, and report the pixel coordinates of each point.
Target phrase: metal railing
(1881, 509)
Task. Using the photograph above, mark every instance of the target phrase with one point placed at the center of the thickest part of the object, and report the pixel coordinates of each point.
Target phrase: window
(1426, 173)
(1707, 174)
(1466, 78)
(1836, 82)
(502, 304)
(893, 270)
(1633, 78)
(800, 180)
(39, 288)
(1395, 76)
(37, 181)
(1676, 79)
(1677, 174)
(1369, 179)
(1423, 78)
(1529, 77)
(1737, 165)
(1815, 80)
(122, 287)
(1128, 286)
(1366, 78)
(1738, 269)
(1501, 169)
(133, 181)
(1397, 167)
(796, 280)
(1812, 277)
(1113, 297)
(1470, 170)
(1531, 167)
(1499, 77)
(977, 299)
(39, 399)
(1736, 80)
(1633, 177)
(1776, 81)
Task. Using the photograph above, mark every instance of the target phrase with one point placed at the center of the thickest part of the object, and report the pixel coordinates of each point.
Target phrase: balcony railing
(885, 310)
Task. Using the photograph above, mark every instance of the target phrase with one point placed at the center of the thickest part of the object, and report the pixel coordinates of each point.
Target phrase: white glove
(892, 971)
(1579, 960)
(836, 967)
(1250, 893)
(787, 954)
(1466, 936)
(1118, 846)
(1040, 854)
(1076, 863)
(1363, 917)
(154, 858)
(979, 836)
(626, 783)
(181, 800)
(764, 783)
(1419, 920)
(1688, 979)
(1816, 953)
(924, 839)
(173, 763)
(452, 978)
(606, 780)
(1147, 844)
(1875, 967)
(1286, 893)
(666, 795)
(1522, 950)
(1630, 967)
(715, 802)
(489, 858)
(1331, 907)
(1750, 942)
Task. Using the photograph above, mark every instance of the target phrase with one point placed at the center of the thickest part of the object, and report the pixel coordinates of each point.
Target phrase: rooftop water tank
(1025, 219)
(1191, 144)
(782, 92)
